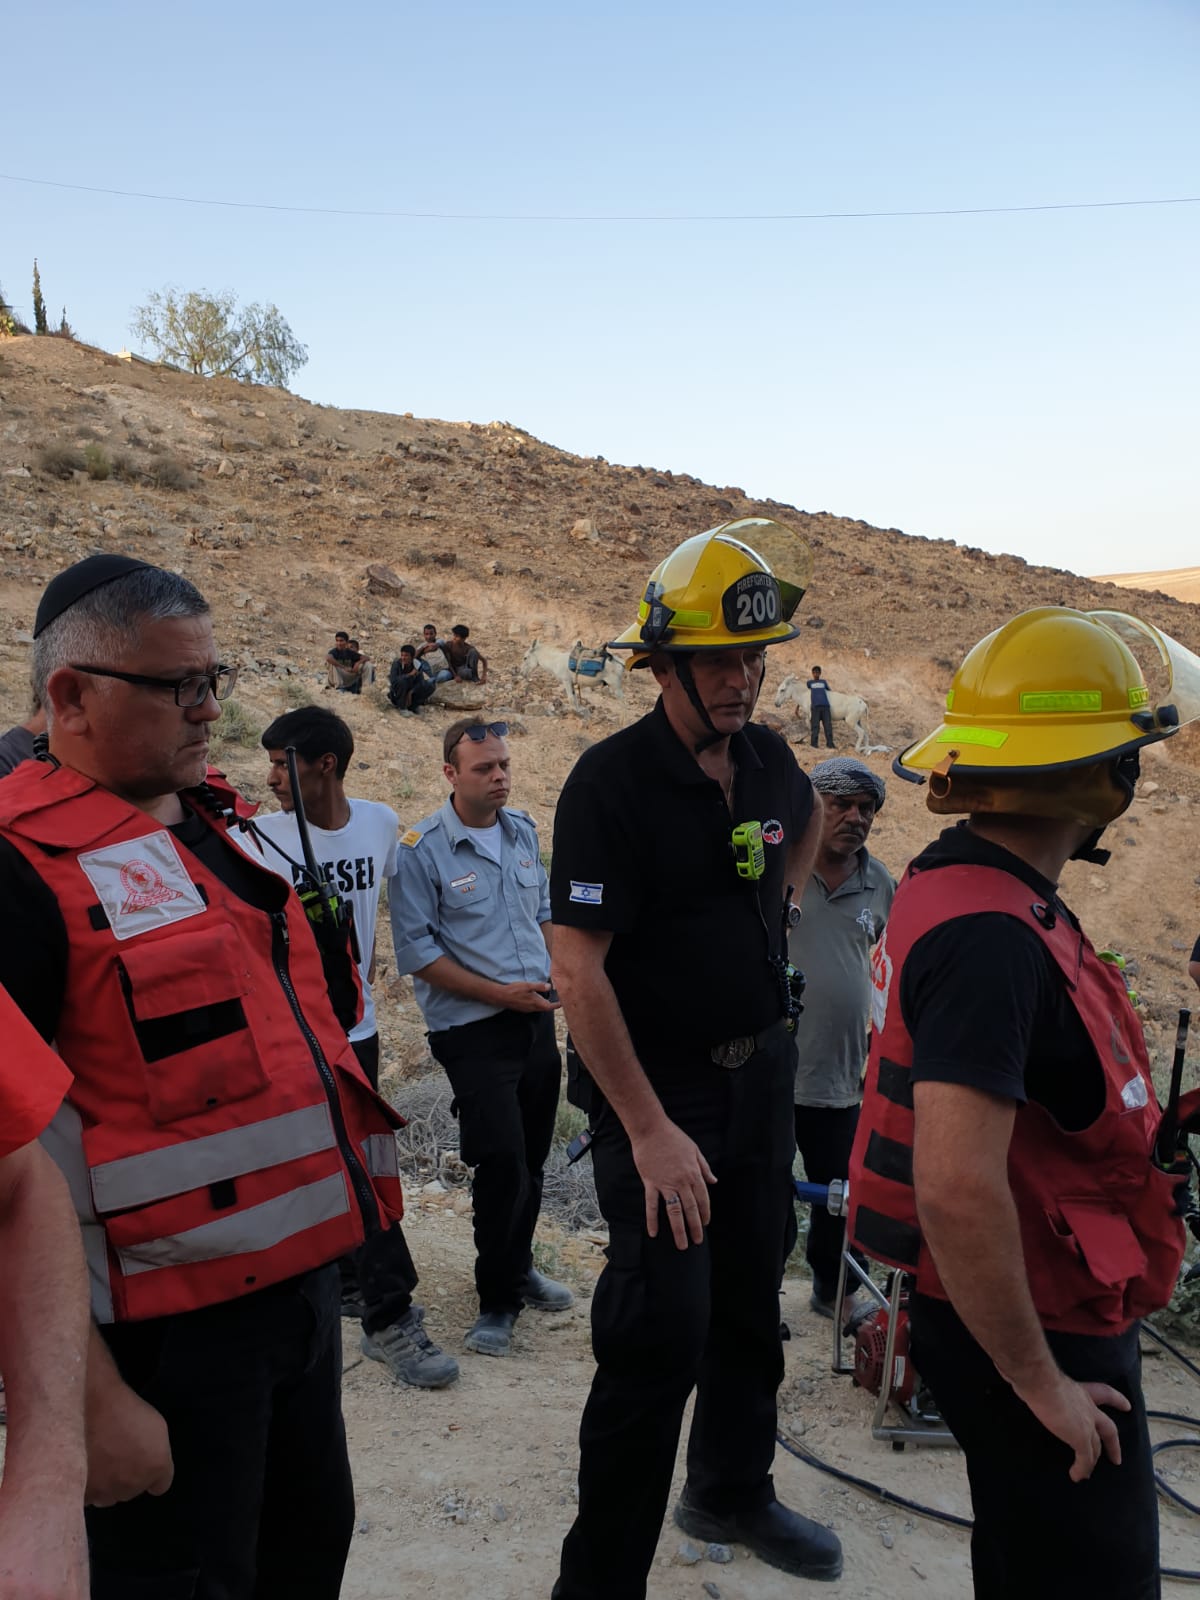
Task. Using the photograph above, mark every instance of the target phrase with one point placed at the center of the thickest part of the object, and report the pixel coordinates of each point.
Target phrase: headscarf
(845, 775)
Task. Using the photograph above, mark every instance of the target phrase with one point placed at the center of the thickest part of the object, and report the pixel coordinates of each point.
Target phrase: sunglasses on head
(479, 731)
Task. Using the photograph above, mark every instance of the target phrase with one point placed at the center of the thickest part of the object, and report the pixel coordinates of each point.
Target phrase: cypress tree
(40, 325)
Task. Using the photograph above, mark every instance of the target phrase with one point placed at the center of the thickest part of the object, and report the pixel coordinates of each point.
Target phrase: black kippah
(93, 572)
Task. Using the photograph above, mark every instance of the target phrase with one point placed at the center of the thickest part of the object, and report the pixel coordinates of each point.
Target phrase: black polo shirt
(642, 850)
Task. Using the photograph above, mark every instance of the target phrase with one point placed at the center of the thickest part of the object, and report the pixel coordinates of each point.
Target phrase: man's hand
(43, 1547)
(1070, 1411)
(673, 1170)
(524, 997)
(128, 1450)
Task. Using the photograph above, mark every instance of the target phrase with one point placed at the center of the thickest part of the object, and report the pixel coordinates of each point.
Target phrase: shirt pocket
(529, 881)
(466, 893)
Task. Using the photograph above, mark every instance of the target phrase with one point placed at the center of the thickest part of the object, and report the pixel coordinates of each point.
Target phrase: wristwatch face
(791, 915)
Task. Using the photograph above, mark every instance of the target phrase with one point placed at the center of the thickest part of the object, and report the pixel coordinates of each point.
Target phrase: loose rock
(382, 580)
(689, 1553)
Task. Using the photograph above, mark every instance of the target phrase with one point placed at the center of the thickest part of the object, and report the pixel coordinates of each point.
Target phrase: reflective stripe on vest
(63, 1143)
(257, 1228)
(379, 1155)
(175, 1168)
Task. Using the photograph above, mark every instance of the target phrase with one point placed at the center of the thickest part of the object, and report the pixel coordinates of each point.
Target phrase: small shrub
(546, 1258)
(125, 467)
(97, 461)
(168, 472)
(60, 461)
(295, 693)
(236, 726)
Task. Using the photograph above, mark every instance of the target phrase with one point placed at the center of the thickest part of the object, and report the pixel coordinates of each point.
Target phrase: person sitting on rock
(431, 656)
(345, 665)
(465, 661)
(408, 686)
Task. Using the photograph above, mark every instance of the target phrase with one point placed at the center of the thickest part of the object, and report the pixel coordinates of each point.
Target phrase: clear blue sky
(1021, 382)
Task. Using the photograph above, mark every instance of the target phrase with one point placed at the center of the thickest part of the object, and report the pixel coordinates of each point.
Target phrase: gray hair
(103, 624)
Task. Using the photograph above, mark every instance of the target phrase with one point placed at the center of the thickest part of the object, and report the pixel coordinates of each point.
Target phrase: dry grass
(60, 461)
(428, 1149)
(168, 472)
(236, 726)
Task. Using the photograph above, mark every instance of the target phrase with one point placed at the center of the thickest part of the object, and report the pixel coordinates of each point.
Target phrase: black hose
(889, 1497)
(803, 1453)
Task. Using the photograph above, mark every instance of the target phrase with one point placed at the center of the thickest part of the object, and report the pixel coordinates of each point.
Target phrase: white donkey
(570, 667)
(848, 708)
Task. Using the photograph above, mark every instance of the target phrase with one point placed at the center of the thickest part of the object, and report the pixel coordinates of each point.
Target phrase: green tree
(209, 334)
(40, 325)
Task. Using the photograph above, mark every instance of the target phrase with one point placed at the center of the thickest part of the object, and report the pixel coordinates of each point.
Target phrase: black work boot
(780, 1537)
(491, 1334)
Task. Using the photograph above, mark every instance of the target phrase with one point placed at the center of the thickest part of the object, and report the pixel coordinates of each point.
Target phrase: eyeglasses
(189, 692)
(479, 731)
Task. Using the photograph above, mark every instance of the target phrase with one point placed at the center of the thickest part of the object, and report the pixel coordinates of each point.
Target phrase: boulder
(382, 580)
(585, 530)
(457, 695)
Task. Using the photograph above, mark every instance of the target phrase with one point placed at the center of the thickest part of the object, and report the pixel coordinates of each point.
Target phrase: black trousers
(820, 717)
(505, 1072)
(262, 1504)
(1038, 1535)
(666, 1321)
(381, 1269)
(825, 1138)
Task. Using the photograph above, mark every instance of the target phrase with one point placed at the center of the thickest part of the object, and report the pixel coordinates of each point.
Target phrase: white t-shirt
(357, 859)
(489, 840)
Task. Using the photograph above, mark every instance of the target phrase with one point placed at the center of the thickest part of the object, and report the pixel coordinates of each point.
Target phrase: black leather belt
(735, 1053)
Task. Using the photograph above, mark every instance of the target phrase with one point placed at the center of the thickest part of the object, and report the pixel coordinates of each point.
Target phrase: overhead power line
(561, 216)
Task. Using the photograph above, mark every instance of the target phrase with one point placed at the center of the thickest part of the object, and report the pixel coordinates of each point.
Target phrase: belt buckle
(733, 1053)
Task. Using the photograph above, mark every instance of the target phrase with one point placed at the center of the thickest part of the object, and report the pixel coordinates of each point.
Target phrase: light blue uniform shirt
(449, 898)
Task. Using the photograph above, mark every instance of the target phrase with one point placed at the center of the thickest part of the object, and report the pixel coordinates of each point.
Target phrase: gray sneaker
(409, 1354)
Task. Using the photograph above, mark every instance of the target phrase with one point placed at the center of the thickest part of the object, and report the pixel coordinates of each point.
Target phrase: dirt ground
(469, 1491)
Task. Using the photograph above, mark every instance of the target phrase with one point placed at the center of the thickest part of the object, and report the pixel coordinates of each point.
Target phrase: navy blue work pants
(262, 1505)
(505, 1071)
(666, 1321)
(1037, 1534)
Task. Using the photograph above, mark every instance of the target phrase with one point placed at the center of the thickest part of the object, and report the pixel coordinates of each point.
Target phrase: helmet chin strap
(1125, 772)
(683, 671)
(1089, 850)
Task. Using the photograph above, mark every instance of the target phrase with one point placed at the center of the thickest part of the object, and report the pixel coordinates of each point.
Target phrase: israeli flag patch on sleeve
(587, 894)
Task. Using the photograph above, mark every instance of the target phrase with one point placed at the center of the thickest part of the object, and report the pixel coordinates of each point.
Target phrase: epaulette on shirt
(515, 811)
(413, 836)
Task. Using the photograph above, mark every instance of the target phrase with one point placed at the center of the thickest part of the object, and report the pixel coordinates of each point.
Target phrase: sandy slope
(1182, 582)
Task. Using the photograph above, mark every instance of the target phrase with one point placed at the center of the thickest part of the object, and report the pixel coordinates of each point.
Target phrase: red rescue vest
(1102, 1242)
(219, 1135)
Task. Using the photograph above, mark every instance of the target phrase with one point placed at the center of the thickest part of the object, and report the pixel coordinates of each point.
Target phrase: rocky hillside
(277, 508)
